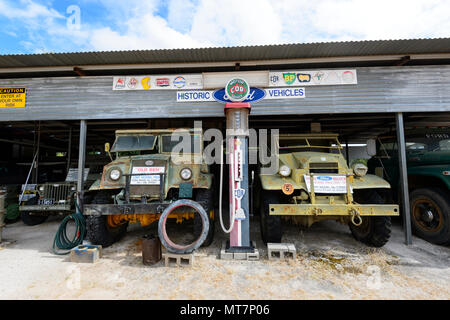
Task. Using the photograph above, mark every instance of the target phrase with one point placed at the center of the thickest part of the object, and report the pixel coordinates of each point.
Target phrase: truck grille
(55, 193)
(323, 167)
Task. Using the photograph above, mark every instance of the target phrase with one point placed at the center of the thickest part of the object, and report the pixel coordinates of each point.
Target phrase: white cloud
(180, 14)
(236, 22)
(135, 24)
(145, 32)
(27, 9)
(338, 20)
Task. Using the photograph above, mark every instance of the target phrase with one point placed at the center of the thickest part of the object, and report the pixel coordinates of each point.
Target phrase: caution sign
(12, 97)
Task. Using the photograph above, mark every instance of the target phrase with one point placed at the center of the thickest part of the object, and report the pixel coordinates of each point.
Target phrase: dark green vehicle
(428, 161)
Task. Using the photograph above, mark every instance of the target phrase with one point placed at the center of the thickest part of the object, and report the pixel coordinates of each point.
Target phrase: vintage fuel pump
(237, 138)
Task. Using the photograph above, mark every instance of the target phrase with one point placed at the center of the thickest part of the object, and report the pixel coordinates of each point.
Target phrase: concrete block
(249, 256)
(86, 254)
(278, 251)
(253, 256)
(240, 255)
(226, 255)
(180, 260)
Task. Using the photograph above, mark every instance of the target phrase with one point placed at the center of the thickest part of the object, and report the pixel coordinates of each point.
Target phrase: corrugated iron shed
(242, 53)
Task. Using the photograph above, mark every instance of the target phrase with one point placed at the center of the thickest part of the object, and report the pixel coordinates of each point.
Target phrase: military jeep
(144, 179)
(314, 183)
(39, 201)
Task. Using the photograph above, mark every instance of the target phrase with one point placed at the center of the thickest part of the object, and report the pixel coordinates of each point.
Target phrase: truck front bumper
(334, 209)
(132, 208)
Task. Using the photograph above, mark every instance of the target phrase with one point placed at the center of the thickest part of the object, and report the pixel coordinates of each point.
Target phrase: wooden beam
(79, 71)
(404, 60)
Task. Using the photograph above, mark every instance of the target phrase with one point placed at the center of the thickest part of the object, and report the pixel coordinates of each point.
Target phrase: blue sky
(35, 26)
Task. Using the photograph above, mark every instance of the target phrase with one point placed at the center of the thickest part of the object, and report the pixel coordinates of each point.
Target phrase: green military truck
(428, 162)
(314, 183)
(145, 179)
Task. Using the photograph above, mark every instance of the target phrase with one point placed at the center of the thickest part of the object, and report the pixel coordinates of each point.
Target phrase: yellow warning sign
(12, 97)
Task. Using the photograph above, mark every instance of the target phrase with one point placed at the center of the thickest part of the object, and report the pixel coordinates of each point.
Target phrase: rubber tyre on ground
(437, 230)
(98, 230)
(162, 231)
(206, 195)
(32, 220)
(374, 231)
(271, 230)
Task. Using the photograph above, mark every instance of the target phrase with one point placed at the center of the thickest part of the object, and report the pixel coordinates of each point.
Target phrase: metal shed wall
(379, 89)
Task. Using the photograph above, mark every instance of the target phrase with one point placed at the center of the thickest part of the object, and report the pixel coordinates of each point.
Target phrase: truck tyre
(32, 220)
(373, 231)
(430, 210)
(206, 195)
(162, 232)
(98, 230)
(271, 231)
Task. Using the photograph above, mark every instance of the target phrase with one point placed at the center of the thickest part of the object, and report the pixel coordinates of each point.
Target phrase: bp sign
(237, 90)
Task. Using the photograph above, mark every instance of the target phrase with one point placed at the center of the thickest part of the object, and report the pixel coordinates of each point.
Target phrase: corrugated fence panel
(380, 89)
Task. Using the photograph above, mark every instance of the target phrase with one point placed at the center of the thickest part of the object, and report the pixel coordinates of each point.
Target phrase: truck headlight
(360, 169)
(41, 188)
(115, 174)
(186, 174)
(285, 171)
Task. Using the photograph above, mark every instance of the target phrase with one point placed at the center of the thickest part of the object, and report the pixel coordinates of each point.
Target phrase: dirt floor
(330, 264)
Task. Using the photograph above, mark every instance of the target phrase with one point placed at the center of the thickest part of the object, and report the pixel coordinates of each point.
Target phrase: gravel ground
(330, 264)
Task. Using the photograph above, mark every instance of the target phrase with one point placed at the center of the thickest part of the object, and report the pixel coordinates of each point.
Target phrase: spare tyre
(162, 232)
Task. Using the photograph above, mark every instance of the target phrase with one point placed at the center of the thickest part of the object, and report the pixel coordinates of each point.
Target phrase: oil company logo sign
(254, 95)
(237, 90)
(158, 82)
(289, 78)
(179, 82)
(312, 78)
(162, 82)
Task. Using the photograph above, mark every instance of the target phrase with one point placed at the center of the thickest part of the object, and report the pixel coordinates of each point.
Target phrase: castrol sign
(237, 89)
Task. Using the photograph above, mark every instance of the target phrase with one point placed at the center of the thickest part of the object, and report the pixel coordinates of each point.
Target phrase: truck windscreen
(134, 143)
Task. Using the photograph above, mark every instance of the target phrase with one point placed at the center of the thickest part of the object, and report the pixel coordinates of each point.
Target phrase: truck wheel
(28, 218)
(430, 215)
(373, 231)
(270, 225)
(99, 231)
(206, 195)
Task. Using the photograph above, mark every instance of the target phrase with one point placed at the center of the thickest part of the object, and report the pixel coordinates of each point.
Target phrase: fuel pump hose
(220, 198)
(62, 241)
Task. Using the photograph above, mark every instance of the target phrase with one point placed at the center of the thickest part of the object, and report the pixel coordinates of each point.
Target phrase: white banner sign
(195, 96)
(285, 93)
(327, 184)
(159, 82)
(312, 78)
(255, 95)
(146, 179)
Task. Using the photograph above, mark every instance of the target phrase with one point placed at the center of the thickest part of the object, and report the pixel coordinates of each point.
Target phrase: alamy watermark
(73, 21)
(262, 146)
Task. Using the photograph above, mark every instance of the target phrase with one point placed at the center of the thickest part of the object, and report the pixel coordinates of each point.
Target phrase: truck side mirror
(371, 147)
(107, 147)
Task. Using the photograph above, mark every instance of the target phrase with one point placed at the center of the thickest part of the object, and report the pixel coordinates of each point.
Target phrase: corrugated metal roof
(222, 54)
